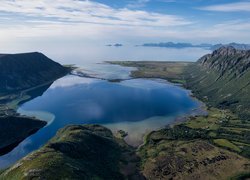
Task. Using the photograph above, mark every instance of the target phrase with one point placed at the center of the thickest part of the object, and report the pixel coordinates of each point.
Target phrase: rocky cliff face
(227, 59)
(223, 79)
(23, 71)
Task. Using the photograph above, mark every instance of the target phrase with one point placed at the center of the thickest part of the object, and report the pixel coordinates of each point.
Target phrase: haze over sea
(82, 54)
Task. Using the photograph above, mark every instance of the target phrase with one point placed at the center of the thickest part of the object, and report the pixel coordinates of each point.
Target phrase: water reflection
(136, 106)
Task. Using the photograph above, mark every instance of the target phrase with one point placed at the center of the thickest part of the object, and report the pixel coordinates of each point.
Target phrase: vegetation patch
(171, 71)
(224, 128)
(79, 152)
(226, 144)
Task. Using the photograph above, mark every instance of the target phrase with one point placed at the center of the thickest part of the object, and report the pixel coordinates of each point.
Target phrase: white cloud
(229, 7)
(87, 12)
(86, 20)
(226, 32)
(75, 22)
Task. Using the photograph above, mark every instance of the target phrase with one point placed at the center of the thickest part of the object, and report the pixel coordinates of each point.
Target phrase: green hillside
(79, 152)
(222, 79)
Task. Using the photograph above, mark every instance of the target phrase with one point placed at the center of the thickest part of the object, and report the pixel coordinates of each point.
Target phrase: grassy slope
(231, 131)
(227, 91)
(78, 152)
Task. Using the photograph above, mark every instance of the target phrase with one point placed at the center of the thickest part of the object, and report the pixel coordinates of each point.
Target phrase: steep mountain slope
(23, 71)
(32, 72)
(15, 129)
(222, 79)
(79, 152)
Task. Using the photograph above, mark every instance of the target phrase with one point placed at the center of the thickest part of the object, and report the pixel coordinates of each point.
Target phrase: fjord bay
(122, 105)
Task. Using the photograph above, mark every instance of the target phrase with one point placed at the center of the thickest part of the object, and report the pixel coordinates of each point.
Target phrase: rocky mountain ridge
(227, 59)
(222, 79)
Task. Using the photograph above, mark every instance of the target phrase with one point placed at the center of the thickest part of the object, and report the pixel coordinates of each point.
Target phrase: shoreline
(201, 110)
(10, 102)
(198, 129)
(176, 120)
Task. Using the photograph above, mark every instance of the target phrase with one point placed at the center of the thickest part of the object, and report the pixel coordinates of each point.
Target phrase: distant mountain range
(204, 45)
(115, 45)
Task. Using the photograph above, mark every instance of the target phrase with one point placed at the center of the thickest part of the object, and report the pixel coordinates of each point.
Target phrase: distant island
(115, 45)
(203, 45)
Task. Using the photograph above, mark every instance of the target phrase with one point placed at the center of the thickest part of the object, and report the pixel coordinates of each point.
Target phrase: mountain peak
(227, 51)
(227, 60)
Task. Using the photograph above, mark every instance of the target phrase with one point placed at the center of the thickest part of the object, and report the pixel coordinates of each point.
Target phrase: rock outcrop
(222, 79)
(227, 59)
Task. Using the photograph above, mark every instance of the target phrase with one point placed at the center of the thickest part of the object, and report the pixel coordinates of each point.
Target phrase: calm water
(135, 106)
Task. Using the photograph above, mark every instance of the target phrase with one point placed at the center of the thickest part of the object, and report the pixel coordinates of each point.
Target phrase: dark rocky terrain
(14, 129)
(227, 60)
(23, 77)
(27, 70)
(169, 155)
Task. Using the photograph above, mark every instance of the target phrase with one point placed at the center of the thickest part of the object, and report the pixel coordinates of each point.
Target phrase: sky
(27, 23)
